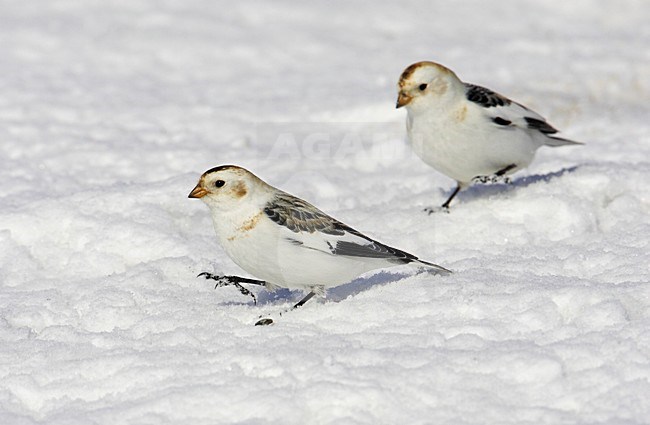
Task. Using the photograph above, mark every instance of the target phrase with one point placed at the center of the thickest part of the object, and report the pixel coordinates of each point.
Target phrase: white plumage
(468, 132)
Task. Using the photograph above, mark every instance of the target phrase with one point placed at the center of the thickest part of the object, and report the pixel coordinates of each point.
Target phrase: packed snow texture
(110, 111)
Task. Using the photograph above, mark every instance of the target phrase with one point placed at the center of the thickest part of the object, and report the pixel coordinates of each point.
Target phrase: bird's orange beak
(403, 99)
(197, 192)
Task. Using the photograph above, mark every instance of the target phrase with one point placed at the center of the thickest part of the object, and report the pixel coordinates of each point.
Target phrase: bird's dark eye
(422, 87)
(219, 183)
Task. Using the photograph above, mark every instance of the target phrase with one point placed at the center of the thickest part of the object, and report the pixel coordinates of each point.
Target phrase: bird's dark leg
(502, 171)
(448, 201)
(268, 321)
(444, 207)
(300, 303)
(235, 281)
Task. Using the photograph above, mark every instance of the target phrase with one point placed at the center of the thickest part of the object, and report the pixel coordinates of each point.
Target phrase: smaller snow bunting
(286, 241)
(468, 132)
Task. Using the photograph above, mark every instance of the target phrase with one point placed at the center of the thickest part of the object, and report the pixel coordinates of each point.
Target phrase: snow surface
(109, 112)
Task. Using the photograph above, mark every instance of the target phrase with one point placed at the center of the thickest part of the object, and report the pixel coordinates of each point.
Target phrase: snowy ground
(109, 112)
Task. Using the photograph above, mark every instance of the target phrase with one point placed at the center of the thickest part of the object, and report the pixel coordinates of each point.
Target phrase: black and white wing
(485, 97)
(310, 228)
(508, 115)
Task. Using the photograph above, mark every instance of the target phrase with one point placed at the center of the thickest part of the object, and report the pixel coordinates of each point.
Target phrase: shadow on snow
(480, 190)
(335, 294)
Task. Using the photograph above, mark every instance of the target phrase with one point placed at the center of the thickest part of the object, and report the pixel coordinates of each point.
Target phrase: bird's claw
(266, 321)
(228, 281)
(431, 210)
(492, 179)
(221, 280)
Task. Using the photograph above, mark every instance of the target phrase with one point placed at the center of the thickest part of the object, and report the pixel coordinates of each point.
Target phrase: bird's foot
(264, 321)
(230, 281)
(441, 209)
(492, 179)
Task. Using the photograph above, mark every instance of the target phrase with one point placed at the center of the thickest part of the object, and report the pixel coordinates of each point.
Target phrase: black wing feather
(373, 249)
(485, 97)
(540, 125)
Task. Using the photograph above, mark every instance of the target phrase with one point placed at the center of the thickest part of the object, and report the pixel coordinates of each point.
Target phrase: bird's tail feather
(434, 268)
(558, 141)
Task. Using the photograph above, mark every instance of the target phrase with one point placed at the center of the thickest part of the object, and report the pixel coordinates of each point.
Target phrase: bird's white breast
(251, 242)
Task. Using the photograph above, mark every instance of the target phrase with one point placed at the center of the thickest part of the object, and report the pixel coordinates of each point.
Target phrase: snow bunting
(286, 241)
(468, 132)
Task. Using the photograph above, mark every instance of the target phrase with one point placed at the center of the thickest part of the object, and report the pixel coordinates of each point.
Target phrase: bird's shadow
(364, 283)
(337, 293)
(487, 189)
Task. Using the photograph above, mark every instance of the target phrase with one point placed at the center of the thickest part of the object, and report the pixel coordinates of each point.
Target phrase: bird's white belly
(463, 152)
